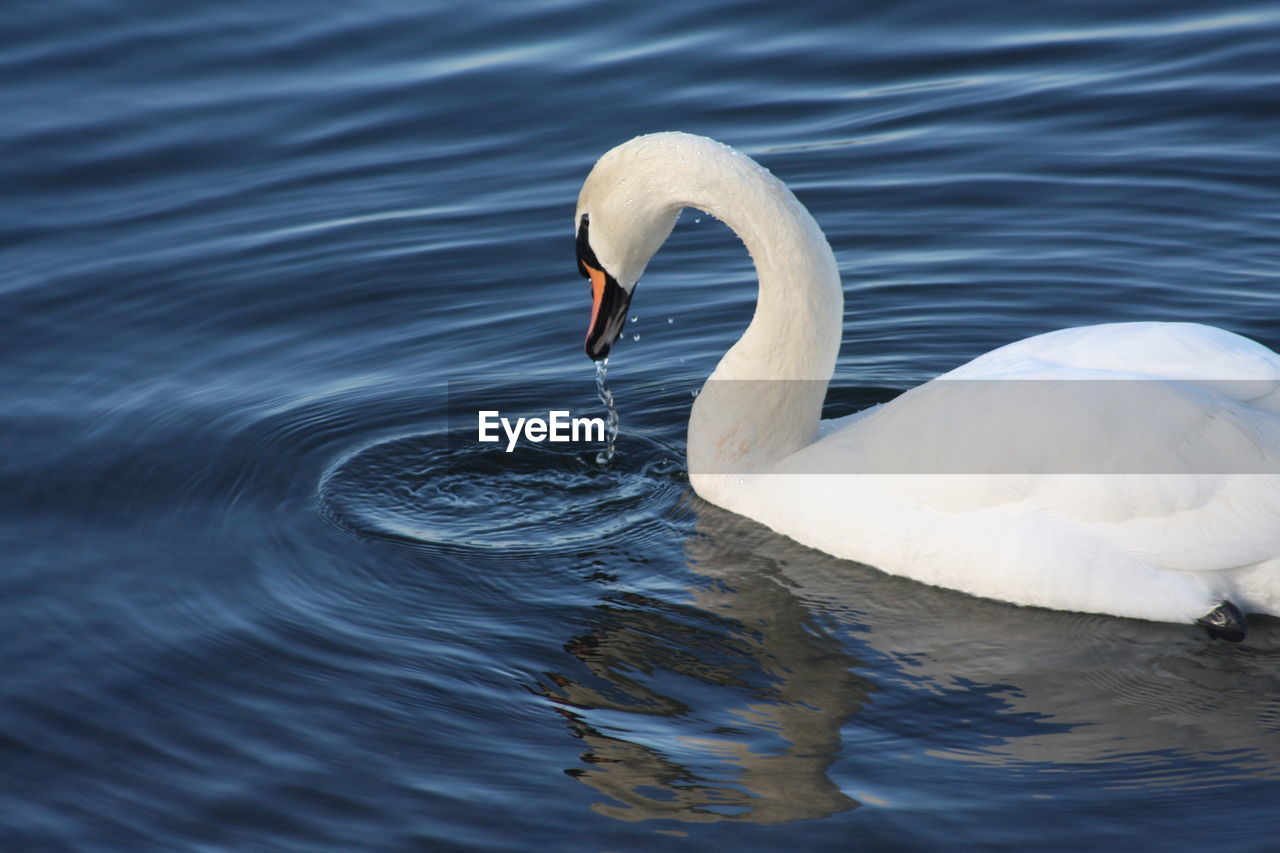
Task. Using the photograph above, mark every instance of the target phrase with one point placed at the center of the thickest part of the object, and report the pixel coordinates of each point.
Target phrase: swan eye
(586, 257)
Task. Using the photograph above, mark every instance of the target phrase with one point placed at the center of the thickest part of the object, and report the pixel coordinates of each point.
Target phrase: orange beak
(597, 294)
(609, 304)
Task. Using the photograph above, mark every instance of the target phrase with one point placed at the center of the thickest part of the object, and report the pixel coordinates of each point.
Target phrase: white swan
(1155, 498)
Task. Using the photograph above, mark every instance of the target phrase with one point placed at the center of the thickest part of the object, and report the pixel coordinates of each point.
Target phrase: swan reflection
(726, 707)
(790, 685)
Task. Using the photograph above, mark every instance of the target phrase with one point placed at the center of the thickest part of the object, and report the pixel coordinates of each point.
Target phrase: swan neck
(764, 399)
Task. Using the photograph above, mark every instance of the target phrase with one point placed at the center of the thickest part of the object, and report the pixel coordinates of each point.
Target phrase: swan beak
(609, 303)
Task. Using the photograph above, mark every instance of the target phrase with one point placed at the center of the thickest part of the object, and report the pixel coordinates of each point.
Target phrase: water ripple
(454, 494)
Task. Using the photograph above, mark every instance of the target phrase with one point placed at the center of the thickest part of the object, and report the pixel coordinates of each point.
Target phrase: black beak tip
(597, 347)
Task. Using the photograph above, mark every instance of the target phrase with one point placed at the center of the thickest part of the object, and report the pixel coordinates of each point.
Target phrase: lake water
(260, 593)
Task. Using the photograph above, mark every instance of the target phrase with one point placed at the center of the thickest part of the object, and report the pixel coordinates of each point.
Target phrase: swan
(1155, 497)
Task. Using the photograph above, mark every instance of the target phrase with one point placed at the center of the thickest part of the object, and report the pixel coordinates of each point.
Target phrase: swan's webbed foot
(1224, 622)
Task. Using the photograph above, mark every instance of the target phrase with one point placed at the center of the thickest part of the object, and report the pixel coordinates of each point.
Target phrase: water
(262, 592)
(612, 424)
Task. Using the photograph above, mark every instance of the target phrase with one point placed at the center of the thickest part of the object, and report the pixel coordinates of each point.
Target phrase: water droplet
(670, 320)
(604, 457)
(634, 317)
(636, 336)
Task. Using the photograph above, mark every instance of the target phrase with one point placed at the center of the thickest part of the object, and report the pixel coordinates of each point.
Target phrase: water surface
(260, 594)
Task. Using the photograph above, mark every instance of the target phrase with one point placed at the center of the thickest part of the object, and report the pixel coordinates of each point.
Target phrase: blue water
(256, 593)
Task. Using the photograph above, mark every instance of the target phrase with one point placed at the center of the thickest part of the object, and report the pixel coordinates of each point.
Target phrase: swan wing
(1037, 444)
(1186, 352)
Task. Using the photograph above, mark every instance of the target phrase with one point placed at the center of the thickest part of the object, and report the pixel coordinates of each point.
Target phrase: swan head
(623, 217)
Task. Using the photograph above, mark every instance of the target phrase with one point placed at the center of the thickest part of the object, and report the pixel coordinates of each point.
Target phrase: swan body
(1130, 469)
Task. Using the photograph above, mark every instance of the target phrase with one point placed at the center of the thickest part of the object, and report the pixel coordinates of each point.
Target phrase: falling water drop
(604, 457)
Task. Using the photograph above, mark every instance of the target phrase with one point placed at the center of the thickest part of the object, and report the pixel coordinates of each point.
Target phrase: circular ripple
(447, 491)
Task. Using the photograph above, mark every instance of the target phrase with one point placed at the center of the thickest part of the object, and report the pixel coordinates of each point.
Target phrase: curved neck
(764, 400)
